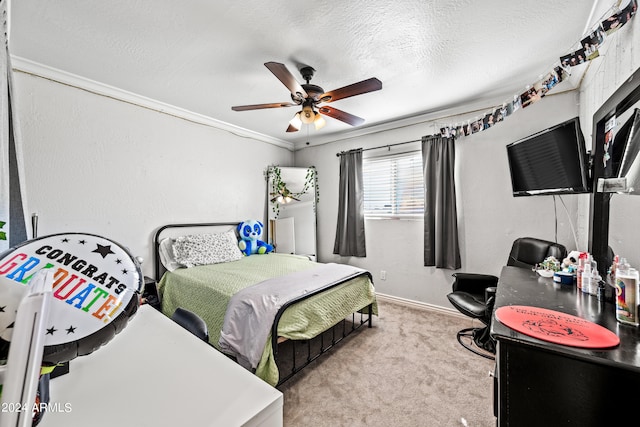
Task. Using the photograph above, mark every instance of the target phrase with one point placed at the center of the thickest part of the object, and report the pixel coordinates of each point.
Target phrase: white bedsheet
(251, 312)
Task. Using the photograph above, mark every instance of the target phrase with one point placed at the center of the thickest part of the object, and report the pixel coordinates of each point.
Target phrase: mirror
(621, 161)
(613, 125)
(292, 194)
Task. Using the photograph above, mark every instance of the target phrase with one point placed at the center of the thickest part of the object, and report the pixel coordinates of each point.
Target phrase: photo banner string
(589, 50)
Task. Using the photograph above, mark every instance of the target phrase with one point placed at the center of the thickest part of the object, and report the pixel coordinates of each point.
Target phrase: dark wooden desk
(544, 384)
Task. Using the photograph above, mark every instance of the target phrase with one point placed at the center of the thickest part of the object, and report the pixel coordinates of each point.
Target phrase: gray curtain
(12, 217)
(440, 217)
(350, 240)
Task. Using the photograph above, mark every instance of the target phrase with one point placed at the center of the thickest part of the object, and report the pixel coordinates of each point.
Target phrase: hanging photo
(488, 121)
(609, 128)
(516, 104)
(549, 81)
(476, 126)
(615, 22)
(608, 148)
(592, 43)
(561, 73)
(574, 58)
(499, 114)
(508, 109)
(530, 96)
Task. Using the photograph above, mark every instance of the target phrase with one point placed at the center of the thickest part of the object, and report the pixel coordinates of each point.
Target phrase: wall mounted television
(552, 161)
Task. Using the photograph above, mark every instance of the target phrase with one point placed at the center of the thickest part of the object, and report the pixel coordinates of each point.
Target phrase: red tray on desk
(556, 327)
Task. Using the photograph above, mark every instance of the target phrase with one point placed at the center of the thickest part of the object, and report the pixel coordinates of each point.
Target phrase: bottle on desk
(627, 279)
(582, 261)
(595, 278)
(587, 279)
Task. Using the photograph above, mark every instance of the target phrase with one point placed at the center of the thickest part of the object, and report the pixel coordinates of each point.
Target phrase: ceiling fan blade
(283, 74)
(292, 128)
(261, 106)
(365, 86)
(341, 115)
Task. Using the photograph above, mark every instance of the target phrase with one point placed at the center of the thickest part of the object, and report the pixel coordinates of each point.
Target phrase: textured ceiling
(206, 56)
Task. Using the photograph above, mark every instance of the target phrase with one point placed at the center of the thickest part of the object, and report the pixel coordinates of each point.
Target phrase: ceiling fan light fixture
(282, 199)
(319, 121)
(307, 115)
(296, 122)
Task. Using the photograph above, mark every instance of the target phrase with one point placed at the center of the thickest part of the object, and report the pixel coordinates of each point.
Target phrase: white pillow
(203, 249)
(165, 250)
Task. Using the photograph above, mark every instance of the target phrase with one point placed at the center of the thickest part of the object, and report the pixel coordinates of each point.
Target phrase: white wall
(490, 218)
(99, 165)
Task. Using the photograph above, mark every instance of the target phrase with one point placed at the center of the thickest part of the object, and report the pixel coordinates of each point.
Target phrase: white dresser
(155, 373)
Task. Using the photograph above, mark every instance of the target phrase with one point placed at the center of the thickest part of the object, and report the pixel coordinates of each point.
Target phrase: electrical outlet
(383, 275)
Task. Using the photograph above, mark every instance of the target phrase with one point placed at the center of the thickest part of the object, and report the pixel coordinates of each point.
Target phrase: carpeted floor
(408, 370)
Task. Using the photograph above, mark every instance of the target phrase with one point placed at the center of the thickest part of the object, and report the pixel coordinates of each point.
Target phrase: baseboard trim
(419, 305)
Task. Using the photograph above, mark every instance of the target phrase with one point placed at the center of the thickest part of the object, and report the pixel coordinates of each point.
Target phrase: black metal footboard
(292, 356)
(287, 370)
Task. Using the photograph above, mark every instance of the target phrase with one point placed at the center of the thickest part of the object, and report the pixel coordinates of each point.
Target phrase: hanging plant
(272, 173)
(312, 179)
(279, 187)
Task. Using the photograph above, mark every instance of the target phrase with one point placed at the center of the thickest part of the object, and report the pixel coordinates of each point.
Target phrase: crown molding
(37, 69)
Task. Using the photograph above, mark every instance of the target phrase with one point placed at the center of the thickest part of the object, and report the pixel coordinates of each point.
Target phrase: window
(393, 186)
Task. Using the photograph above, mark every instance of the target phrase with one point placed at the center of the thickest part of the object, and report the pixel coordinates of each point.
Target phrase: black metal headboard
(157, 238)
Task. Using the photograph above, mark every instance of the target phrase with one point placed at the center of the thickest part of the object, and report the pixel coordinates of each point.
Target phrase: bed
(302, 327)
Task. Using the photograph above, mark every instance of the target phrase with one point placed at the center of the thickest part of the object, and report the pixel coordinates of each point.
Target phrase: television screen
(553, 161)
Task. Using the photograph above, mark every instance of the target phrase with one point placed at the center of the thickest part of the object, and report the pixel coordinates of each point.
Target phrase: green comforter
(206, 290)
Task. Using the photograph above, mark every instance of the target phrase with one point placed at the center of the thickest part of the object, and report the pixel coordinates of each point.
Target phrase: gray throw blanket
(251, 312)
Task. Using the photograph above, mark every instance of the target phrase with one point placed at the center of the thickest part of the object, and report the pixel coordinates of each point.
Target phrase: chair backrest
(529, 251)
(191, 322)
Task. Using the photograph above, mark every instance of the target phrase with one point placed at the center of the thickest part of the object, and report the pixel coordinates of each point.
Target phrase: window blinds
(393, 185)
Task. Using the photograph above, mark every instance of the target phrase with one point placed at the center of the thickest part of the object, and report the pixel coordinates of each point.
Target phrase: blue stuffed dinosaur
(250, 233)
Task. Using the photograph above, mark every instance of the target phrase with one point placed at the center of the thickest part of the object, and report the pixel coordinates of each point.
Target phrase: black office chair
(474, 294)
(192, 323)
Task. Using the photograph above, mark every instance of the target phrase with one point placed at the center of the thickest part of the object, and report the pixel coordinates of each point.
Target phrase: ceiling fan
(309, 96)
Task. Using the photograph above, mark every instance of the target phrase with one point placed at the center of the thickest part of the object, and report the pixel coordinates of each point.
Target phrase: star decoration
(103, 250)
(71, 330)
(118, 261)
(124, 271)
(82, 242)
(51, 330)
(2, 308)
(65, 240)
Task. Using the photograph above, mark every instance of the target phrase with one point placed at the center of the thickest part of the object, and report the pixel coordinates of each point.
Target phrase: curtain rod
(382, 146)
